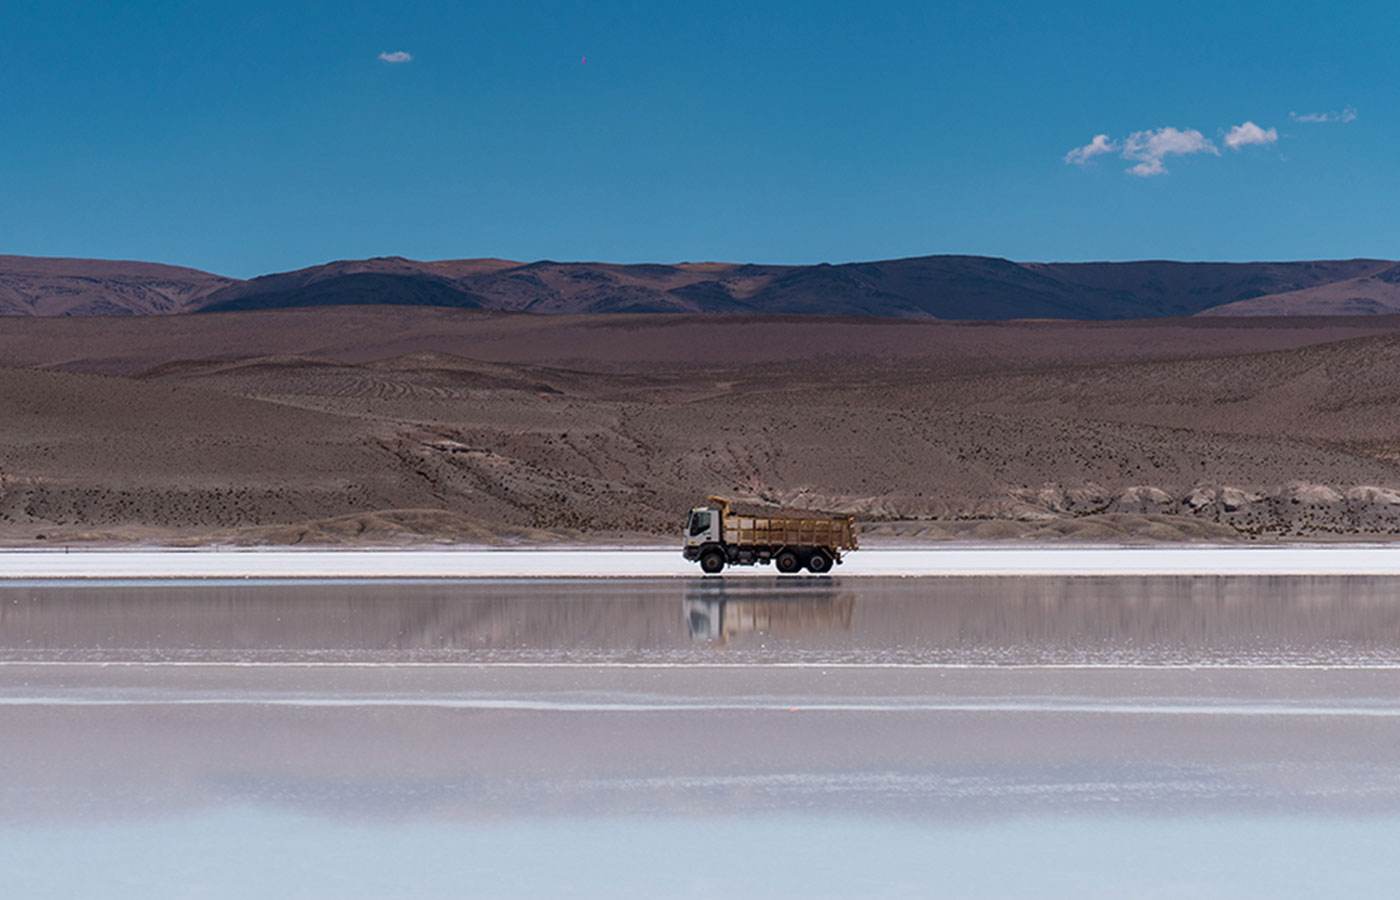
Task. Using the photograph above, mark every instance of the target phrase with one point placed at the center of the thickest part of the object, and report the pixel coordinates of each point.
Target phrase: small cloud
(1149, 148)
(398, 56)
(1100, 144)
(1346, 115)
(1249, 133)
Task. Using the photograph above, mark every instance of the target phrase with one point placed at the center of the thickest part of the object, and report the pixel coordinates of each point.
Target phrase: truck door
(698, 528)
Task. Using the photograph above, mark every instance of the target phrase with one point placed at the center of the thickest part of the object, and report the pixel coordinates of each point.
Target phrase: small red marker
(585, 61)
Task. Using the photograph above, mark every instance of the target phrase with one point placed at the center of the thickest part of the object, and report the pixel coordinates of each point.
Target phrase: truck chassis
(713, 557)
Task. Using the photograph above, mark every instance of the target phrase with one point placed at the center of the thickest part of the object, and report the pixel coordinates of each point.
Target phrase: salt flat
(841, 736)
(956, 560)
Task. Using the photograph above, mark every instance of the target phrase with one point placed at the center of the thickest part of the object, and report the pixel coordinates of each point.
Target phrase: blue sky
(251, 137)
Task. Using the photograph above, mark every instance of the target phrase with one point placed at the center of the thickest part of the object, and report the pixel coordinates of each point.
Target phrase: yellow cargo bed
(786, 531)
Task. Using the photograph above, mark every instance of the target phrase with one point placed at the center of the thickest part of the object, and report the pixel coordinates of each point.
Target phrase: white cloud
(1149, 148)
(398, 56)
(1100, 144)
(1249, 133)
(1346, 115)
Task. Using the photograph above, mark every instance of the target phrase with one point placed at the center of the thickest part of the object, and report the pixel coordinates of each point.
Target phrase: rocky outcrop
(1091, 511)
(1296, 508)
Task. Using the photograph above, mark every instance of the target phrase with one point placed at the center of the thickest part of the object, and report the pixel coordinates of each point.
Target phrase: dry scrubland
(388, 425)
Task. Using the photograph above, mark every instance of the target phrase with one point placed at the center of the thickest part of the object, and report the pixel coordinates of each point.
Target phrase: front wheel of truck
(712, 562)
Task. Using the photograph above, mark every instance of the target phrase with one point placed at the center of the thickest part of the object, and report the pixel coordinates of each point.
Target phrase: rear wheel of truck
(818, 562)
(787, 562)
(712, 561)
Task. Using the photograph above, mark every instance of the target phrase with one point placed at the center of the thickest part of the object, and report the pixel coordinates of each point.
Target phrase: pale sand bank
(666, 563)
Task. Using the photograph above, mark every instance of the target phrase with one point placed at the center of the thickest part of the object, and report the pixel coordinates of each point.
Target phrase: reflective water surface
(909, 737)
(977, 621)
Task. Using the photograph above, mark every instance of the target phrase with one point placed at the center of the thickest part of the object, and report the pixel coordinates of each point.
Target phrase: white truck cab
(704, 526)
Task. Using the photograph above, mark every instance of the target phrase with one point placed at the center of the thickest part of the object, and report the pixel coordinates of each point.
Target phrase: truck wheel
(787, 562)
(712, 562)
(818, 562)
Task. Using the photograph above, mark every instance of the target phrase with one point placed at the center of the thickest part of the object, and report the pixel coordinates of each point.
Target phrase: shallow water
(946, 621)
(950, 737)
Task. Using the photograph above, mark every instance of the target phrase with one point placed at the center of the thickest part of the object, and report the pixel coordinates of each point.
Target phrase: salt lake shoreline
(956, 560)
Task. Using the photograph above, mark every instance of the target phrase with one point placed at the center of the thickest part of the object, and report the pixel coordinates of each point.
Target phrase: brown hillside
(41, 286)
(585, 426)
(623, 343)
(1377, 293)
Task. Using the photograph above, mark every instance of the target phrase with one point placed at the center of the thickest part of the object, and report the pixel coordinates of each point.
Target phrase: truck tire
(712, 561)
(818, 562)
(787, 562)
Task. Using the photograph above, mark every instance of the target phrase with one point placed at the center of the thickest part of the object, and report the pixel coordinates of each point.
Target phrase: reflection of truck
(720, 616)
(715, 538)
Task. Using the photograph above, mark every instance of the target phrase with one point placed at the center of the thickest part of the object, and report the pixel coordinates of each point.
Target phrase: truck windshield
(699, 522)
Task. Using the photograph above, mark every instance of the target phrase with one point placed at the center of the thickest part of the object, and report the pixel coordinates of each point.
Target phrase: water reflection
(975, 621)
(130, 722)
(719, 612)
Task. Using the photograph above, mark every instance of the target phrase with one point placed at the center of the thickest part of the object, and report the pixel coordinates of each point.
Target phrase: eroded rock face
(1314, 495)
(1083, 499)
(1369, 495)
(1199, 500)
(1142, 499)
(1295, 508)
(1233, 500)
(1087, 510)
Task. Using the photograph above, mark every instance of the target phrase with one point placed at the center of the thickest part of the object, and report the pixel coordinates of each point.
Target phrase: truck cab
(704, 537)
(704, 526)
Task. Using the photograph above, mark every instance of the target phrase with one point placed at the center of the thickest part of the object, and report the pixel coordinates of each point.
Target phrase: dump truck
(715, 537)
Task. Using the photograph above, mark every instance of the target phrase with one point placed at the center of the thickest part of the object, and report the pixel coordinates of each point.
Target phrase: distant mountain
(40, 286)
(390, 282)
(945, 287)
(1182, 289)
(1373, 294)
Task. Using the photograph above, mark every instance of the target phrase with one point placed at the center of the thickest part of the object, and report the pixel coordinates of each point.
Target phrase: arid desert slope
(382, 425)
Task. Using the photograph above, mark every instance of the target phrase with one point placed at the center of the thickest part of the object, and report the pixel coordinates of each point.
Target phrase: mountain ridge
(940, 287)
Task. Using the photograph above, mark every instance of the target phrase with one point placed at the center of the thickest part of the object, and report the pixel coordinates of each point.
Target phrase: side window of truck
(700, 523)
